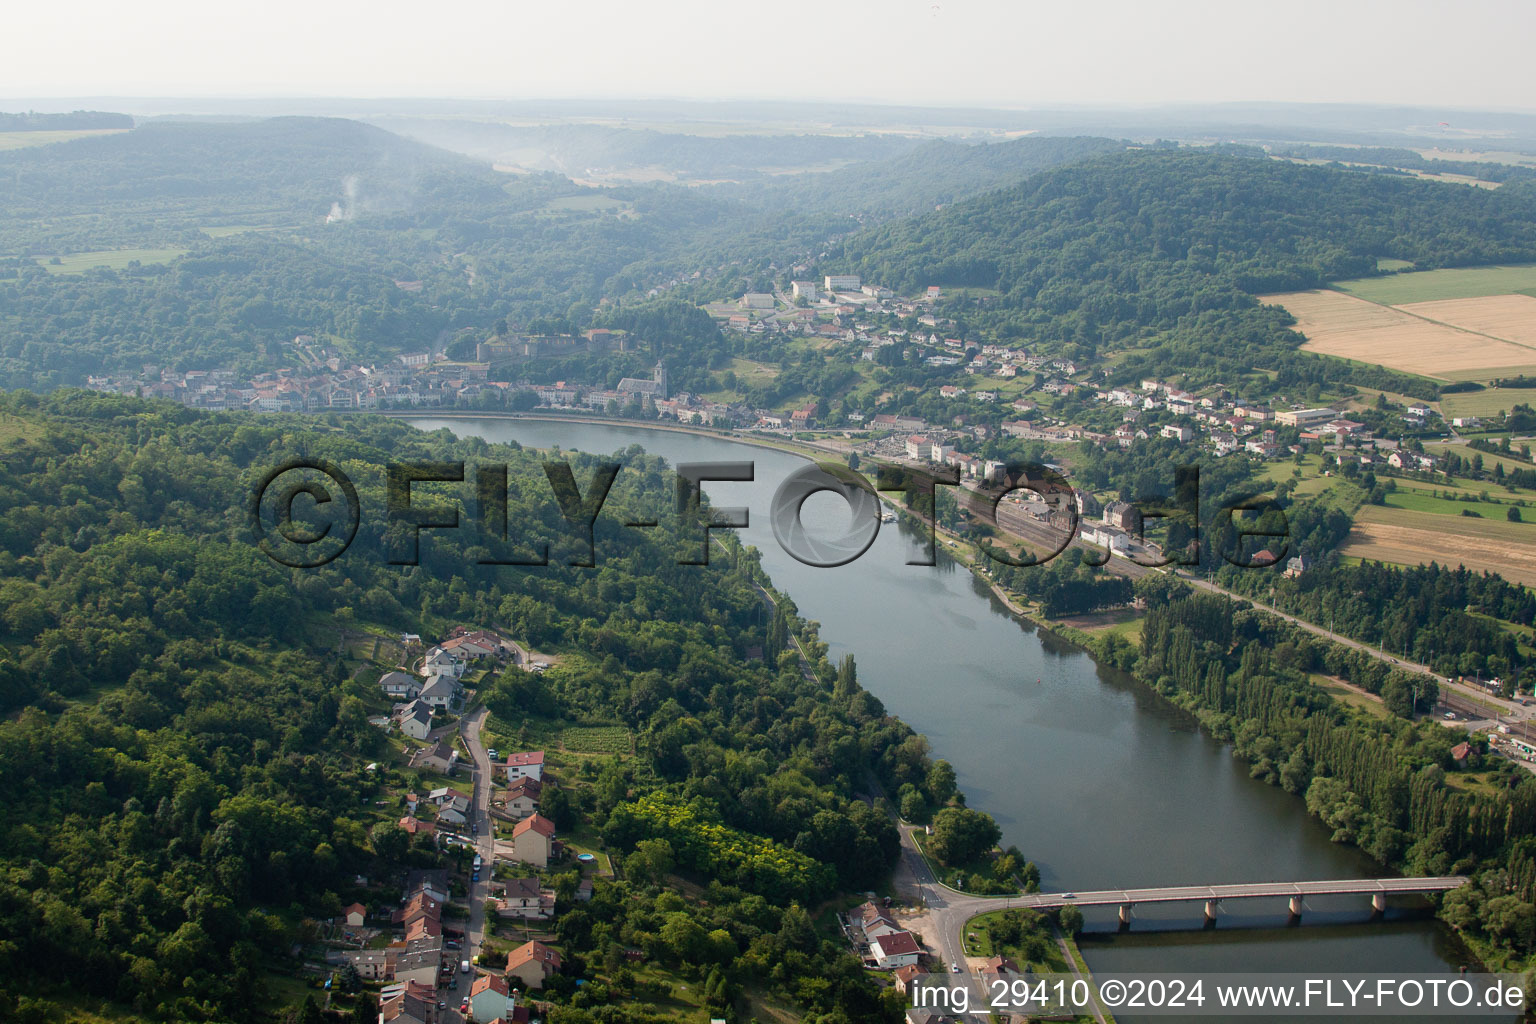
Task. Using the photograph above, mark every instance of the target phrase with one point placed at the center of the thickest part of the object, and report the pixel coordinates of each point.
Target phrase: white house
(439, 662)
(416, 720)
(526, 765)
(897, 949)
(441, 691)
(875, 921)
(455, 811)
(399, 686)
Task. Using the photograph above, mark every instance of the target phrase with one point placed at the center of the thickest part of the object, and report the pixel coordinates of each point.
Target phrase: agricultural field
(1502, 317)
(1436, 285)
(225, 230)
(1466, 324)
(604, 739)
(115, 259)
(1337, 324)
(1407, 537)
(24, 140)
(1486, 403)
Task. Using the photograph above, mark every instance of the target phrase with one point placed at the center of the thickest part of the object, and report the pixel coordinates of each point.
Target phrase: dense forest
(189, 749)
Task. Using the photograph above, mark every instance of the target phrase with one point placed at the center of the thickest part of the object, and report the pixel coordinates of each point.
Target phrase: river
(1096, 779)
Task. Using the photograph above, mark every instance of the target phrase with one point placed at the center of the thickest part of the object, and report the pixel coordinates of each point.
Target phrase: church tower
(659, 375)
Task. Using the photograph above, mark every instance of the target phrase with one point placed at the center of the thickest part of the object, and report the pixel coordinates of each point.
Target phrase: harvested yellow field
(1417, 538)
(1341, 325)
(1507, 317)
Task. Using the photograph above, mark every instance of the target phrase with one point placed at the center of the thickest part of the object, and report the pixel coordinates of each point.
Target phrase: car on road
(493, 754)
(464, 1006)
(955, 968)
(442, 1005)
(1069, 895)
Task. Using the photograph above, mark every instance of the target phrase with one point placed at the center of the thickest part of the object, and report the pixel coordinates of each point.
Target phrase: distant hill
(1260, 224)
(914, 182)
(78, 120)
(169, 176)
(614, 154)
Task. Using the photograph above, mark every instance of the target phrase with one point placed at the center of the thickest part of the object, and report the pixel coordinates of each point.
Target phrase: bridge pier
(1210, 913)
(1296, 908)
(1125, 916)
(1379, 902)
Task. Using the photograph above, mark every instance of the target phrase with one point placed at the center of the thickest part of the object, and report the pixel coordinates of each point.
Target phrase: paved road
(949, 910)
(474, 937)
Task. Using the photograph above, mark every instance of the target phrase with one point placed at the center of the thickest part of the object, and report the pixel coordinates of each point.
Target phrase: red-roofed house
(898, 949)
(355, 915)
(523, 797)
(529, 764)
(533, 840)
(490, 997)
(531, 963)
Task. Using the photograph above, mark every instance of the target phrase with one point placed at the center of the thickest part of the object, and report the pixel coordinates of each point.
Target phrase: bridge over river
(1212, 895)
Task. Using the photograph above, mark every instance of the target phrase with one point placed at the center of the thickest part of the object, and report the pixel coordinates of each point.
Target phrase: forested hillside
(187, 749)
(1166, 250)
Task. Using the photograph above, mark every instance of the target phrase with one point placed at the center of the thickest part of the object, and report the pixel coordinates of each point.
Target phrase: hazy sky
(1472, 53)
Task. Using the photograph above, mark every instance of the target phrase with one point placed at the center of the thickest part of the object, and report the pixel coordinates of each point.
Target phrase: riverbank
(1054, 746)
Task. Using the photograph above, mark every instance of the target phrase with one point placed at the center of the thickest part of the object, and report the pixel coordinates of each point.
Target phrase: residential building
(1122, 514)
(441, 691)
(896, 949)
(415, 719)
(439, 757)
(354, 915)
(399, 686)
(489, 998)
(875, 921)
(415, 826)
(1000, 965)
(803, 290)
(532, 963)
(455, 811)
(439, 662)
(841, 282)
(524, 898)
(529, 764)
(410, 1003)
(523, 797)
(533, 840)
